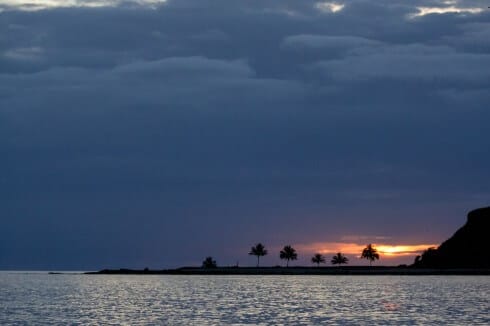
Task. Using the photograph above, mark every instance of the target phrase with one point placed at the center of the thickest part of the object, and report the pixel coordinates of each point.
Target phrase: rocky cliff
(469, 247)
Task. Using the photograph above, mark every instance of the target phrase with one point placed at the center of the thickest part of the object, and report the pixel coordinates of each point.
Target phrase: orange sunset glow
(386, 251)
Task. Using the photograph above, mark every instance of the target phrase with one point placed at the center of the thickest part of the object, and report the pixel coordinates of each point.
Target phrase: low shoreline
(353, 270)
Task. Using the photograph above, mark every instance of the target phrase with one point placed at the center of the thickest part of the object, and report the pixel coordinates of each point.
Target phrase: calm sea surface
(37, 298)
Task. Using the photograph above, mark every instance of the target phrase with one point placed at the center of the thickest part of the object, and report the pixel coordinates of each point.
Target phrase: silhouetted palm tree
(259, 251)
(209, 262)
(317, 259)
(370, 253)
(288, 253)
(339, 259)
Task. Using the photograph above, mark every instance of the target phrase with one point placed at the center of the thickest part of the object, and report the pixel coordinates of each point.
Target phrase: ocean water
(42, 299)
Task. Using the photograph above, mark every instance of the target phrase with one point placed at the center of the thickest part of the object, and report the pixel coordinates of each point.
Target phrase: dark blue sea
(74, 299)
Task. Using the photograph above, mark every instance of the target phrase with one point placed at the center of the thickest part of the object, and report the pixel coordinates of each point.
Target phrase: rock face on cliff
(469, 247)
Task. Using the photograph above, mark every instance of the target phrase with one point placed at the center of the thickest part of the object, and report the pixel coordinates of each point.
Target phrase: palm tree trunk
(258, 258)
(287, 263)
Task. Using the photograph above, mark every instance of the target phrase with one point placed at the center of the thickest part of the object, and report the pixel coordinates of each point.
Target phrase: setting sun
(397, 250)
(385, 250)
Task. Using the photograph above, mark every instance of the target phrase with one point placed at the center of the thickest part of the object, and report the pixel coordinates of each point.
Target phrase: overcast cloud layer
(156, 133)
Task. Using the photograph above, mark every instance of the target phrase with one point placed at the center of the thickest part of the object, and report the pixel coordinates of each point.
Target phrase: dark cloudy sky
(150, 133)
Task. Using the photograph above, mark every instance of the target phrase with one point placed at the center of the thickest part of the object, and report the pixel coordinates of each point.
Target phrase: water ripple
(29, 299)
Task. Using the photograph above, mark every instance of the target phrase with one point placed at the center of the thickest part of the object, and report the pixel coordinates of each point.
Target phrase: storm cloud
(155, 133)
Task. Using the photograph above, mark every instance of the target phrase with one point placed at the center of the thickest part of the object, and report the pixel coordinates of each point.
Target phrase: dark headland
(467, 252)
(469, 247)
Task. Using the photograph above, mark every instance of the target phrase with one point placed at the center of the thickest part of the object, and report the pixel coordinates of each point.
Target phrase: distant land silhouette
(467, 248)
(465, 253)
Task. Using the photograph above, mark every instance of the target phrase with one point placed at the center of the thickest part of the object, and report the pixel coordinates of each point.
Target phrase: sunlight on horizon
(386, 251)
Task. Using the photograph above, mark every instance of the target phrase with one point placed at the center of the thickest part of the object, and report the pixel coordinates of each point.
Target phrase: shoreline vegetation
(465, 253)
(297, 270)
